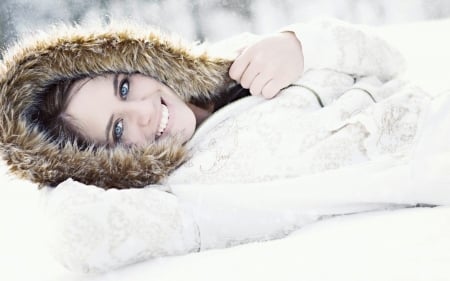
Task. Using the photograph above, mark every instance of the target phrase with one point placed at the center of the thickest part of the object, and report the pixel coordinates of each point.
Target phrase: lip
(159, 121)
(167, 129)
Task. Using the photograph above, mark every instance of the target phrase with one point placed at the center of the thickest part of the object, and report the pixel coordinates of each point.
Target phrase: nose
(141, 112)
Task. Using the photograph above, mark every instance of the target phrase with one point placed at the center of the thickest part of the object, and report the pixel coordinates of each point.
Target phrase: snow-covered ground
(410, 244)
(22, 253)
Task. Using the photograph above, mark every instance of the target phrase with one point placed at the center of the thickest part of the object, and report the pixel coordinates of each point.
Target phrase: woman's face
(129, 109)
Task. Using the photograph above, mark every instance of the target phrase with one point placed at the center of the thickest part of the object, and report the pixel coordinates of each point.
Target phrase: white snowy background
(23, 254)
(211, 19)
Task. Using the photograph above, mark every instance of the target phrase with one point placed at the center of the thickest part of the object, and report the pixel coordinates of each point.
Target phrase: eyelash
(117, 135)
(118, 129)
(125, 84)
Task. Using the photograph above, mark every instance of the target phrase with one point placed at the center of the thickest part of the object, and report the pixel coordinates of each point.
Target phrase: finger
(271, 89)
(258, 84)
(239, 50)
(238, 67)
(249, 75)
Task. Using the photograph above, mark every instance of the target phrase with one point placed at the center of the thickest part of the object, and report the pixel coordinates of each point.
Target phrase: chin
(187, 135)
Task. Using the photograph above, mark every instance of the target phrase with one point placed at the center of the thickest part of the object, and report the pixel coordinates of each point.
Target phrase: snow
(408, 244)
(425, 48)
(316, 253)
(217, 19)
(23, 253)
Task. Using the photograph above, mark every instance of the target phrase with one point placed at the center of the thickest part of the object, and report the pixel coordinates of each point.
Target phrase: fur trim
(29, 67)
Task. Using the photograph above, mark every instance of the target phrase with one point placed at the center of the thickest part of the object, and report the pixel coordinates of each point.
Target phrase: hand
(269, 65)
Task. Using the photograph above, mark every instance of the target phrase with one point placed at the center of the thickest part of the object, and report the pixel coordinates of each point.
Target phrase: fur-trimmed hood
(32, 65)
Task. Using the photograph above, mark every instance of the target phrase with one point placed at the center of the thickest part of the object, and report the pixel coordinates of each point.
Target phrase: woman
(152, 110)
(150, 104)
(128, 104)
(196, 78)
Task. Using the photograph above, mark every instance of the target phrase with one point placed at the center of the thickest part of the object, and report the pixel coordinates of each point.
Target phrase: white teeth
(164, 120)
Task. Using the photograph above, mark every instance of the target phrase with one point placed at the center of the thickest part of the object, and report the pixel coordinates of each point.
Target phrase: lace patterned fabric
(293, 135)
(94, 230)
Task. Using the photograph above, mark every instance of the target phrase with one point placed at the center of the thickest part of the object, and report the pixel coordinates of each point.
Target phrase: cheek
(183, 117)
(133, 135)
(147, 86)
(189, 121)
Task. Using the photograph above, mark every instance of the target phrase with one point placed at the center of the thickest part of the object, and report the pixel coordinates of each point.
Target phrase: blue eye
(124, 88)
(118, 130)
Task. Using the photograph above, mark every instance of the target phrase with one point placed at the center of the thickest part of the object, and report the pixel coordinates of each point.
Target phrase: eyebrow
(110, 121)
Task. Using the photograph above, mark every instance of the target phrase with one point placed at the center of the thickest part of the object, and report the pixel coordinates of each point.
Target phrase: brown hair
(51, 117)
(230, 95)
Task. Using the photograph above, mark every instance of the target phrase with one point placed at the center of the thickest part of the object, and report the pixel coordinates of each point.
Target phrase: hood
(33, 64)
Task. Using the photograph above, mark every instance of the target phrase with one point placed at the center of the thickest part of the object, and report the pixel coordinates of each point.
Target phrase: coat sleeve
(96, 230)
(352, 49)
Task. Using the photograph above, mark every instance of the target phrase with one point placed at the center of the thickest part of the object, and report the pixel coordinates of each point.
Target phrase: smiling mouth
(164, 120)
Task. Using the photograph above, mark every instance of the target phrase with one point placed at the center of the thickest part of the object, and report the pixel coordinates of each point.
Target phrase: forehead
(89, 83)
(90, 105)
